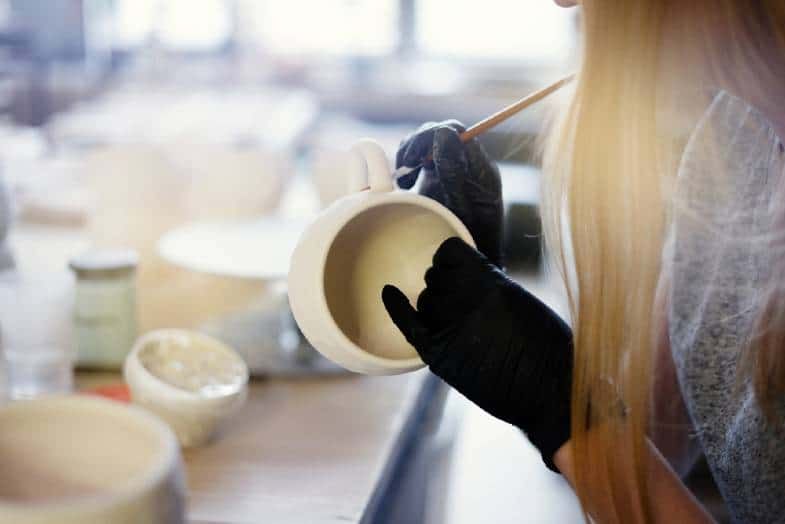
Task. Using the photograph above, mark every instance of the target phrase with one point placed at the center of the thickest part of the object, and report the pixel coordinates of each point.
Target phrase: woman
(660, 269)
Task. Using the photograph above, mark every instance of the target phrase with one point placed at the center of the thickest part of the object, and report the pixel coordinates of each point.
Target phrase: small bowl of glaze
(191, 381)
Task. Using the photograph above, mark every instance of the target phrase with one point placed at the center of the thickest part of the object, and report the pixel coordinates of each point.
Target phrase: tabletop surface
(310, 450)
(301, 450)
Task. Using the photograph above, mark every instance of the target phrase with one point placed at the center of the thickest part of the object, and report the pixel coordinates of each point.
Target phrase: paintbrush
(496, 119)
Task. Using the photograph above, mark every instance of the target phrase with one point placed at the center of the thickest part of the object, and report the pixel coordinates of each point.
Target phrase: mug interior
(390, 243)
(66, 449)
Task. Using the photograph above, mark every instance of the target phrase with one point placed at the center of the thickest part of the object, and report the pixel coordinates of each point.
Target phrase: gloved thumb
(404, 316)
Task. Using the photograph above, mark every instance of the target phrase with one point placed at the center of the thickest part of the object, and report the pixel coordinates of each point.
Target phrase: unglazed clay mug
(87, 460)
(375, 235)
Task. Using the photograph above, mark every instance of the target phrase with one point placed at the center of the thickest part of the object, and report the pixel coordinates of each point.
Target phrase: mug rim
(167, 463)
(374, 199)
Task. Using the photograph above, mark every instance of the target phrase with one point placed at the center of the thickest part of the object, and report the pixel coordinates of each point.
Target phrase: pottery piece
(85, 460)
(375, 235)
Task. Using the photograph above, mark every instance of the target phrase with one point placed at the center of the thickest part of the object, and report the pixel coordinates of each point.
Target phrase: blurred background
(124, 119)
(200, 134)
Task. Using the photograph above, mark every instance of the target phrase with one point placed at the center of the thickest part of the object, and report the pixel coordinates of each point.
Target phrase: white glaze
(207, 373)
(195, 397)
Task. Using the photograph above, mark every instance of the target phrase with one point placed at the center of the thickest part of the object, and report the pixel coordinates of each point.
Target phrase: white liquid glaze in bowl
(192, 381)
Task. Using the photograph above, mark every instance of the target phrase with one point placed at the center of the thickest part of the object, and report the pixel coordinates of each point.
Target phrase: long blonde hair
(605, 212)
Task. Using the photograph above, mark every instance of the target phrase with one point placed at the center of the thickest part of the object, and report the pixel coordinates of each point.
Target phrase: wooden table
(344, 449)
(301, 450)
(308, 450)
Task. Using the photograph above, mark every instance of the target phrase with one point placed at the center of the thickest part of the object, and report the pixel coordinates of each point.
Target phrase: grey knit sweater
(720, 253)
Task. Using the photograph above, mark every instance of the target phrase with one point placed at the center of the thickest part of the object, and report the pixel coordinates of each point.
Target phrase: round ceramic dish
(370, 238)
(86, 460)
(192, 381)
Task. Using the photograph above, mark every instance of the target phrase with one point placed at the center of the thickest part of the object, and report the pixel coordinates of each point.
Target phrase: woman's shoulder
(719, 254)
(727, 162)
(731, 139)
(718, 246)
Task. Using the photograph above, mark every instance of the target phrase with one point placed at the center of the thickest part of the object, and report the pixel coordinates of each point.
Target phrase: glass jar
(104, 307)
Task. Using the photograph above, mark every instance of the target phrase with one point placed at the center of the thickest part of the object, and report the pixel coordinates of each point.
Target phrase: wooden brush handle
(497, 118)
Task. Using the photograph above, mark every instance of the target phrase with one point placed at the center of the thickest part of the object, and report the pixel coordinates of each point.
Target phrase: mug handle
(368, 168)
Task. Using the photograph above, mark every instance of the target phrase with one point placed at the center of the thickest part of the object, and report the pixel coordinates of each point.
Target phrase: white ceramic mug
(374, 236)
(86, 460)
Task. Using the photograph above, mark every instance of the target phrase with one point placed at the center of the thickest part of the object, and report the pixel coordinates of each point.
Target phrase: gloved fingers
(454, 124)
(503, 369)
(440, 281)
(407, 155)
(459, 365)
(428, 306)
(408, 180)
(454, 252)
(484, 187)
(410, 145)
(435, 309)
(405, 317)
(447, 358)
(451, 294)
(452, 169)
(432, 187)
(480, 163)
(415, 148)
(411, 137)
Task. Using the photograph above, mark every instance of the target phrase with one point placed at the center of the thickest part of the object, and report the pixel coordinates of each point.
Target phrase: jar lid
(104, 263)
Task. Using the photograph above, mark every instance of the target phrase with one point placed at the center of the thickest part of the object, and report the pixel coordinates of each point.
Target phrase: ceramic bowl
(86, 460)
(192, 381)
(374, 236)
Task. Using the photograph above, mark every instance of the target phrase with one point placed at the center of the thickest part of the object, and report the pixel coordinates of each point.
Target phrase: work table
(307, 450)
(344, 449)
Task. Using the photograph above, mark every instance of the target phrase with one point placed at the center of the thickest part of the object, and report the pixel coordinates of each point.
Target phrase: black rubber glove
(492, 341)
(461, 177)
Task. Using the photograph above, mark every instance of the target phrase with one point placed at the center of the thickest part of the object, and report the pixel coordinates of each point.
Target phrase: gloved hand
(492, 341)
(459, 176)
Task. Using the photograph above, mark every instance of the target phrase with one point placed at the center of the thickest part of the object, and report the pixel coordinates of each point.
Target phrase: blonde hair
(605, 213)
